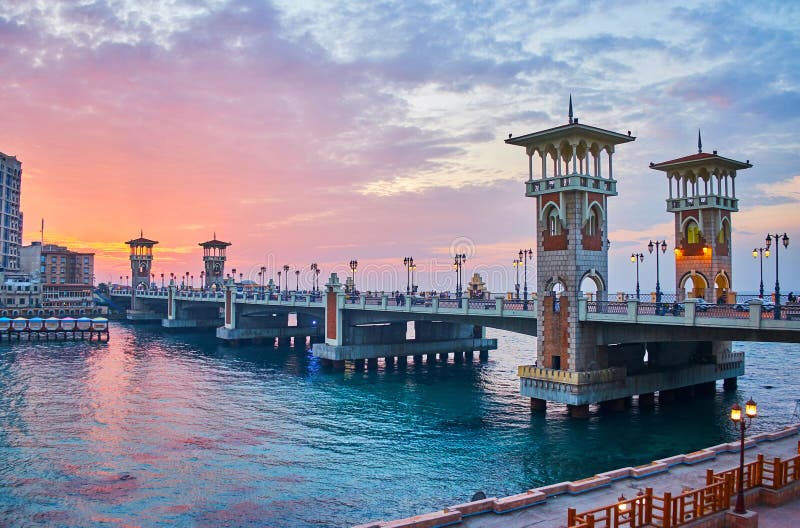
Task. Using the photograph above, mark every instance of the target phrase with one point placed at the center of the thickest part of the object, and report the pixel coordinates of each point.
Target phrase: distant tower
(571, 194)
(141, 260)
(702, 195)
(214, 261)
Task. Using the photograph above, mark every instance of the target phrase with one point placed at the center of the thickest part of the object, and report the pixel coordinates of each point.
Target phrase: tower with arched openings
(571, 191)
(702, 196)
(141, 257)
(214, 261)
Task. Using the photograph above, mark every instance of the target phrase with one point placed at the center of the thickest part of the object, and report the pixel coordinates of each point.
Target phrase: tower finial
(699, 142)
(215, 235)
(570, 109)
(141, 233)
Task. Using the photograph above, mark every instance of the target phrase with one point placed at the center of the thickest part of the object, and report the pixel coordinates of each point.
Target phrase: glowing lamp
(736, 413)
(705, 250)
(750, 408)
(622, 506)
(755, 253)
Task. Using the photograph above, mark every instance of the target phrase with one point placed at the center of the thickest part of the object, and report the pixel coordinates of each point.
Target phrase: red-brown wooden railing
(669, 512)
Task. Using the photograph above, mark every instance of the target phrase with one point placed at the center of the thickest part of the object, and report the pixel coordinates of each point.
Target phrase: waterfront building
(11, 226)
(66, 277)
(702, 196)
(20, 291)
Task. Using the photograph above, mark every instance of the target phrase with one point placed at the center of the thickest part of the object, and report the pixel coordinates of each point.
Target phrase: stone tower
(141, 263)
(571, 193)
(702, 196)
(214, 261)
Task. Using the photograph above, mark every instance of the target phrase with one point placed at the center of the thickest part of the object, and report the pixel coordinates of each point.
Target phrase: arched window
(692, 233)
(553, 222)
(722, 236)
(591, 224)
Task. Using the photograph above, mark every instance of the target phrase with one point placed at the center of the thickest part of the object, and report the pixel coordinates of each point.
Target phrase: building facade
(11, 225)
(66, 277)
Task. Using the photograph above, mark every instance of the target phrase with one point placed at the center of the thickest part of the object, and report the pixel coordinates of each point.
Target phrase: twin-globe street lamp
(458, 264)
(525, 255)
(750, 411)
(517, 263)
(650, 248)
(408, 263)
(760, 252)
(353, 268)
(785, 240)
(637, 258)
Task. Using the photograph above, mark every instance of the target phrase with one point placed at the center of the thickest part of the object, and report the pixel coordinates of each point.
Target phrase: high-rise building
(11, 225)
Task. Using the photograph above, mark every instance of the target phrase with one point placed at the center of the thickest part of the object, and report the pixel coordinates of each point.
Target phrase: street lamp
(297, 280)
(637, 258)
(785, 240)
(315, 274)
(202, 280)
(408, 262)
(650, 248)
(233, 274)
(761, 252)
(525, 255)
(263, 274)
(458, 264)
(353, 268)
(279, 282)
(286, 278)
(317, 271)
(517, 263)
(162, 281)
(750, 410)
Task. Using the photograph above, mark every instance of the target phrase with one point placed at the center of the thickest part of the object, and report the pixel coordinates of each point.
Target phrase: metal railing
(609, 307)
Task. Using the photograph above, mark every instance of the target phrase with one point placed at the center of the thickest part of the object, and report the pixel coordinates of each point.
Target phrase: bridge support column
(705, 389)
(538, 405)
(359, 364)
(443, 357)
(469, 355)
(402, 361)
(389, 360)
(667, 395)
(418, 359)
(372, 363)
(578, 411)
(730, 384)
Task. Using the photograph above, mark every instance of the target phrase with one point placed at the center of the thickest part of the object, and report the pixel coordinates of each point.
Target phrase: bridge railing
(609, 307)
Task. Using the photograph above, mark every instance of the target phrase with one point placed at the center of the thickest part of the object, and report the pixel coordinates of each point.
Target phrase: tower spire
(570, 109)
(699, 142)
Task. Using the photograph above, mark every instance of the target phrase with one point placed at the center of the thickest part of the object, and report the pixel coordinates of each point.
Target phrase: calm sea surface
(154, 429)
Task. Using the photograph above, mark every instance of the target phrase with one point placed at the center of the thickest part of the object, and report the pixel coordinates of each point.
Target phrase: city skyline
(320, 133)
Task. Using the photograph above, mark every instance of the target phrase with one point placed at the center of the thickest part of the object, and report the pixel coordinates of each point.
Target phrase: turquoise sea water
(154, 429)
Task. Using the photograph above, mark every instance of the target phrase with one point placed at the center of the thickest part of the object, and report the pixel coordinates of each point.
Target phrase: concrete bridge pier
(352, 333)
(247, 321)
(538, 405)
(730, 384)
(187, 315)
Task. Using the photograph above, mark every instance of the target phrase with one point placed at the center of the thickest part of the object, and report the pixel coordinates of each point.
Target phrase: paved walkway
(787, 516)
(553, 512)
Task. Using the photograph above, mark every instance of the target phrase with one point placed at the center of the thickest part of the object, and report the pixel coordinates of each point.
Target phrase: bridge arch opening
(592, 286)
(722, 284)
(693, 285)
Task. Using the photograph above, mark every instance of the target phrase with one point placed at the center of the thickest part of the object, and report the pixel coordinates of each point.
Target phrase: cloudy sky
(323, 131)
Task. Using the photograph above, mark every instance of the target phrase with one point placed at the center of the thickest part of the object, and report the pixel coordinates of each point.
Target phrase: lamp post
(650, 248)
(297, 280)
(458, 265)
(408, 263)
(162, 281)
(750, 410)
(353, 268)
(192, 281)
(279, 283)
(516, 263)
(233, 274)
(525, 255)
(761, 252)
(315, 274)
(637, 258)
(785, 240)
(286, 278)
(202, 281)
(262, 273)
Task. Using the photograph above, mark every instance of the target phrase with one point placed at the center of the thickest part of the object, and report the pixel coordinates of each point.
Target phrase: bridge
(588, 350)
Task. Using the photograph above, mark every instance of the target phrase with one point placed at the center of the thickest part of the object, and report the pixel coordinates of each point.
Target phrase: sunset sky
(319, 131)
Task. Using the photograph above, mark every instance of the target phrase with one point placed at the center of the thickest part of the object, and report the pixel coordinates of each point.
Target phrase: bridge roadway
(621, 322)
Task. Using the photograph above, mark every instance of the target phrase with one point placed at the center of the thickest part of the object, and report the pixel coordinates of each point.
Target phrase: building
(20, 293)
(67, 277)
(11, 226)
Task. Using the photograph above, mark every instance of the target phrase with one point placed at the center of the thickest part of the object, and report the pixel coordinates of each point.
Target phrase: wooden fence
(647, 509)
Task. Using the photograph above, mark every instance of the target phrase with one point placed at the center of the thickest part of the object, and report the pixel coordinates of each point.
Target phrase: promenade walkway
(548, 506)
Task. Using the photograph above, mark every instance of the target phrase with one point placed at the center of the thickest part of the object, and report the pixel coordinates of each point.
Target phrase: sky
(322, 131)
